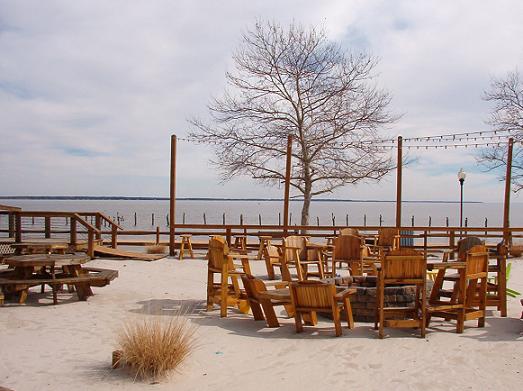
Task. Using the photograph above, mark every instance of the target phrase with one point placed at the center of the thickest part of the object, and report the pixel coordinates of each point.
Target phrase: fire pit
(363, 302)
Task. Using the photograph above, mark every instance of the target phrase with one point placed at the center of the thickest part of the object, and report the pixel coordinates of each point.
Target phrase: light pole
(461, 178)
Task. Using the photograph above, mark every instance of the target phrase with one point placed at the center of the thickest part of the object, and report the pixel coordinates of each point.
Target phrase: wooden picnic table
(40, 247)
(40, 269)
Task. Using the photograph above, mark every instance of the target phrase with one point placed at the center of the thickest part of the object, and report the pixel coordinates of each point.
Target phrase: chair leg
(223, 295)
(423, 310)
(377, 312)
(190, 249)
(270, 268)
(257, 312)
(270, 315)
(210, 290)
(348, 313)
(182, 249)
(482, 302)
(381, 311)
(298, 322)
(337, 321)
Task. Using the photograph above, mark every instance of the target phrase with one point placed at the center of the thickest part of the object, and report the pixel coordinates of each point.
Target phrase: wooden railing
(424, 237)
(15, 229)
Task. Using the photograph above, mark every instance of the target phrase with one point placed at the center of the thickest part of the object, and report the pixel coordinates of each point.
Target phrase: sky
(90, 91)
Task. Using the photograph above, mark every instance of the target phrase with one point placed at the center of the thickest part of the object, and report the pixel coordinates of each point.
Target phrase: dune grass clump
(156, 249)
(152, 348)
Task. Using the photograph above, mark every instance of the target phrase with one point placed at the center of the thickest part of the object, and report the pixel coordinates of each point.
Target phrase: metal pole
(461, 203)
(287, 185)
(172, 198)
(508, 181)
(461, 181)
(399, 181)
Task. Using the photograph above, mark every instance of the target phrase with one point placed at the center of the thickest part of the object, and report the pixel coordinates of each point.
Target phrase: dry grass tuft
(152, 348)
(156, 249)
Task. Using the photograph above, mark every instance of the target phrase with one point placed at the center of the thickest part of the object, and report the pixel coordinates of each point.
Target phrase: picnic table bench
(27, 271)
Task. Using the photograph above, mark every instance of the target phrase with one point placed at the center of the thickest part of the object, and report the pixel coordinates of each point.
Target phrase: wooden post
(158, 235)
(12, 228)
(399, 181)
(90, 242)
(72, 239)
(452, 243)
(506, 208)
(47, 228)
(98, 225)
(113, 236)
(18, 228)
(287, 185)
(228, 235)
(172, 197)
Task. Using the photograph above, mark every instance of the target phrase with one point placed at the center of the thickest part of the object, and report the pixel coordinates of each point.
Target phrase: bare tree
(506, 116)
(295, 81)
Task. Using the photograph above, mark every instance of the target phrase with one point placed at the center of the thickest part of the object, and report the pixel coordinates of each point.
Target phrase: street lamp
(461, 178)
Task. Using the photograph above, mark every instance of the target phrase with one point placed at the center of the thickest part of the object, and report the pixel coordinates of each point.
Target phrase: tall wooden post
(508, 182)
(287, 185)
(18, 228)
(172, 198)
(72, 233)
(399, 181)
(47, 227)
(11, 224)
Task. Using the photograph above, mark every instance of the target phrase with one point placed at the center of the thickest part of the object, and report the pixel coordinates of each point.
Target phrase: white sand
(68, 346)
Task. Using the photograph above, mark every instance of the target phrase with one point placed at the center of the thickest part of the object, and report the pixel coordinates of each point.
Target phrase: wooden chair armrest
(290, 247)
(345, 293)
(242, 256)
(277, 284)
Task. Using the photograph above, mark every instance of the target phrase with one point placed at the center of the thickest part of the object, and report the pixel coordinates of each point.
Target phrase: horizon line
(158, 198)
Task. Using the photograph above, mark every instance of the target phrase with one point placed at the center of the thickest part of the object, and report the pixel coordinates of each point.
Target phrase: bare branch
(294, 81)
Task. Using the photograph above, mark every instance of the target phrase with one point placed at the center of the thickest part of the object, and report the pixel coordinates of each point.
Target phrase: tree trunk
(306, 205)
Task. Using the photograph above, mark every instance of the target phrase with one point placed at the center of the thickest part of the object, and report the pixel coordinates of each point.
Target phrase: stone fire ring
(363, 302)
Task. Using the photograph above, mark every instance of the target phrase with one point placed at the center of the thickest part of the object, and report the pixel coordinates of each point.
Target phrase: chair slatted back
(347, 247)
(295, 241)
(404, 264)
(477, 260)
(387, 237)
(465, 244)
(253, 286)
(218, 251)
(313, 294)
(350, 231)
(271, 251)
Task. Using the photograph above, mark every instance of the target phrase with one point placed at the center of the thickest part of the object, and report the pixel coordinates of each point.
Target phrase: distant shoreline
(130, 198)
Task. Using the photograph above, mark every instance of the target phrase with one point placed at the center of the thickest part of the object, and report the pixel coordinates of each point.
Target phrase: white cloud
(90, 91)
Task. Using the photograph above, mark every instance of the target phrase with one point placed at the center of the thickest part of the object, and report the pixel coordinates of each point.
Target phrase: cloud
(90, 91)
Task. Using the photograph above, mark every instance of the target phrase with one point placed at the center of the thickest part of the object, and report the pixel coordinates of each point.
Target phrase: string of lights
(487, 138)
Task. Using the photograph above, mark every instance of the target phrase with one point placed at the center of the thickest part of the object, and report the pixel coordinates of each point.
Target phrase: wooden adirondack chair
(350, 249)
(309, 297)
(294, 251)
(401, 267)
(262, 298)
(227, 291)
(470, 297)
(387, 239)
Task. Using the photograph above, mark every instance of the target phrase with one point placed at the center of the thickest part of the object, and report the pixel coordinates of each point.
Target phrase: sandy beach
(68, 346)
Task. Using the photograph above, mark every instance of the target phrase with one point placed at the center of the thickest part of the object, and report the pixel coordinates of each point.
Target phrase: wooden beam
(399, 181)
(287, 185)
(172, 198)
(508, 182)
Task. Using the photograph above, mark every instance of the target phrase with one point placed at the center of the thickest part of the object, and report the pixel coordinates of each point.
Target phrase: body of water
(356, 213)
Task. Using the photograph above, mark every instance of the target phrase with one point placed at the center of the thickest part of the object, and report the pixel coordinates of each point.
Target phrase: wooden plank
(115, 252)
